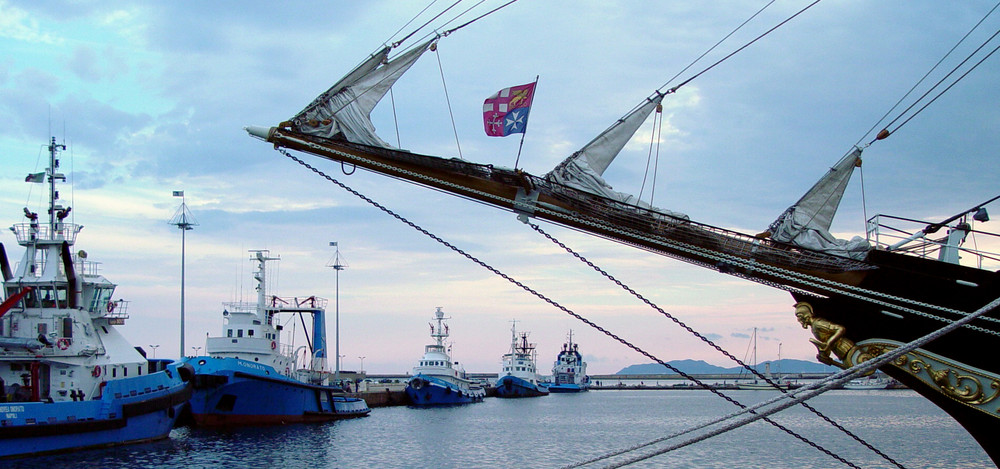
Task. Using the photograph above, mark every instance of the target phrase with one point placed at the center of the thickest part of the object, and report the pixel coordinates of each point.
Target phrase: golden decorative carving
(829, 339)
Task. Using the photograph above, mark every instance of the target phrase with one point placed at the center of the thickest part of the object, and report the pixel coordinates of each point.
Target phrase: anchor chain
(554, 303)
(710, 342)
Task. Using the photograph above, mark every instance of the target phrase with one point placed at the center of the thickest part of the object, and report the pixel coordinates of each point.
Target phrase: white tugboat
(569, 372)
(436, 380)
(519, 377)
(68, 379)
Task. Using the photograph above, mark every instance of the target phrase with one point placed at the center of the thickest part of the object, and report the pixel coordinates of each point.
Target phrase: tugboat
(68, 379)
(519, 377)
(569, 372)
(436, 381)
(250, 378)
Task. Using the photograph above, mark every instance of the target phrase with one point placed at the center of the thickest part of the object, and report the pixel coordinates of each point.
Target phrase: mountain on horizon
(701, 367)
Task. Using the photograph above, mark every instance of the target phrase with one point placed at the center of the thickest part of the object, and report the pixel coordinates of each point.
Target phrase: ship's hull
(234, 392)
(130, 410)
(567, 388)
(432, 391)
(512, 386)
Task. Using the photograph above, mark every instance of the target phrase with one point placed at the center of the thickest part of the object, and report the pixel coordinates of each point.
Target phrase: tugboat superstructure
(62, 360)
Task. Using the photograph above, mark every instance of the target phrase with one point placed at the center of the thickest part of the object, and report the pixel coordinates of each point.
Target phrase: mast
(262, 256)
(56, 211)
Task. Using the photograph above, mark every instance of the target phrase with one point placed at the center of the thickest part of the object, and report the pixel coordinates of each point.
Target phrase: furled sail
(344, 110)
(807, 223)
(584, 169)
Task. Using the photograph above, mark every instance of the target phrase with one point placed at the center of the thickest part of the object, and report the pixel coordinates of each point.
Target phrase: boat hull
(234, 392)
(567, 388)
(129, 410)
(512, 386)
(431, 391)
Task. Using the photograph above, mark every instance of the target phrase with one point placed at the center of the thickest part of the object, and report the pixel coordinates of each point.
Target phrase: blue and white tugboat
(435, 380)
(519, 377)
(250, 378)
(569, 373)
(68, 379)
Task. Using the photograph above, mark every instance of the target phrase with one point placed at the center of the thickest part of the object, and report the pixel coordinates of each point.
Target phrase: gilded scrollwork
(971, 386)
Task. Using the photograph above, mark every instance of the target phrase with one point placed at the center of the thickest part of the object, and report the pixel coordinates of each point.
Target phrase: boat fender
(186, 372)
(96, 372)
(63, 343)
(274, 345)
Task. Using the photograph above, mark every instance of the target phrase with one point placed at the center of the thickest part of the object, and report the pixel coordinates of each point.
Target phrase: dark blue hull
(129, 410)
(233, 392)
(510, 386)
(566, 388)
(430, 391)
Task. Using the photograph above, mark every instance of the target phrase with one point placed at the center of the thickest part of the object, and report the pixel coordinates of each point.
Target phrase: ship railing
(31, 232)
(116, 312)
(885, 231)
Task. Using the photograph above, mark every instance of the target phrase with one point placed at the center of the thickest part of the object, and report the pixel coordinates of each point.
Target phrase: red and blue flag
(506, 112)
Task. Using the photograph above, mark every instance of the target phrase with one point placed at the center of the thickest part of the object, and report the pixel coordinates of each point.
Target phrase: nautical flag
(506, 112)
(35, 177)
(178, 193)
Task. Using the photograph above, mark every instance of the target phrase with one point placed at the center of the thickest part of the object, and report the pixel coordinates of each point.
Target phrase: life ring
(274, 345)
(111, 306)
(63, 344)
(96, 371)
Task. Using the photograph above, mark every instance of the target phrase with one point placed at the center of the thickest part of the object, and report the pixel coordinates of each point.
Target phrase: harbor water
(559, 430)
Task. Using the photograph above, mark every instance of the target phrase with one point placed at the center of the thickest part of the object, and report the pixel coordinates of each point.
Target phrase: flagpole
(519, 146)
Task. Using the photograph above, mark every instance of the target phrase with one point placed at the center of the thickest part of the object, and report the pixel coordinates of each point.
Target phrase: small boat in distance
(69, 380)
(248, 377)
(436, 380)
(875, 381)
(752, 383)
(569, 372)
(519, 377)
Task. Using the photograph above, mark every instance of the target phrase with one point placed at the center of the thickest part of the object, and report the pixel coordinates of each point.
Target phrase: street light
(196, 349)
(337, 266)
(362, 365)
(154, 347)
(184, 221)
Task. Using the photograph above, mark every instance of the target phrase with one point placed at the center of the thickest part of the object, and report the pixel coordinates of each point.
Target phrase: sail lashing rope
(551, 301)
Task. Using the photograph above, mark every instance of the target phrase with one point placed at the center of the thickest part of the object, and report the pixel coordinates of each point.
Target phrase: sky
(152, 97)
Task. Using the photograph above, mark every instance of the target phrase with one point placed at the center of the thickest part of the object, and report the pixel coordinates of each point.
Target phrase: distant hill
(700, 367)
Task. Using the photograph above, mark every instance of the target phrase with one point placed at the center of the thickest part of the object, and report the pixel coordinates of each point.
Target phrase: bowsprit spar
(861, 298)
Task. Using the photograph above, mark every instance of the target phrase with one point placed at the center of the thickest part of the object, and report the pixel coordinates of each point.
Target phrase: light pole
(154, 347)
(362, 365)
(196, 349)
(184, 221)
(337, 267)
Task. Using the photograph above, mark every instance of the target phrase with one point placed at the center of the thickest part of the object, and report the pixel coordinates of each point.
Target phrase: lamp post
(184, 221)
(196, 350)
(362, 365)
(337, 267)
(154, 347)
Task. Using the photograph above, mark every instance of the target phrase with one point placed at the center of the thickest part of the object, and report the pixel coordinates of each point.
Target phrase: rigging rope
(921, 80)
(830, 286)
(708, 341)
(811, 390)
(397, 43)
(551, 301)
(447, 99)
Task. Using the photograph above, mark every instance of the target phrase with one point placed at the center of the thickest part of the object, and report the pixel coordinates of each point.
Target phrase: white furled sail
(583, 170)
(807, 223)
(344, 110)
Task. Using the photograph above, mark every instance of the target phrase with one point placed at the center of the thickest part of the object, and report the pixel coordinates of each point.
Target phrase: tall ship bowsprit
(437, 380)
(68, 378)
(861, 298)
(249, 377)
(519, 373)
